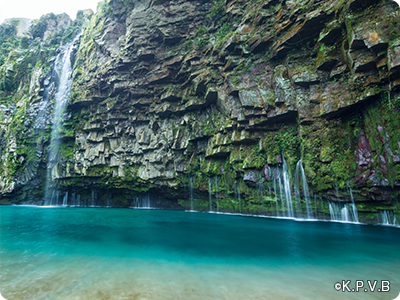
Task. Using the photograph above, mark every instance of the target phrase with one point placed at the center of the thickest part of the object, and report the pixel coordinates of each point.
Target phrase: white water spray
(61, 99)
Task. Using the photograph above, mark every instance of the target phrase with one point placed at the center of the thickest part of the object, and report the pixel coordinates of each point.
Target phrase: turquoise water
(97, 253)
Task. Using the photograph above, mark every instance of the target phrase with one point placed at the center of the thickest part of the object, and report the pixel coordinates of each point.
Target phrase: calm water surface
(95, 253)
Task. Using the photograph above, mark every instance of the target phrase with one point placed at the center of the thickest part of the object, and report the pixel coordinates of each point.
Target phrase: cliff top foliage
(19, 55)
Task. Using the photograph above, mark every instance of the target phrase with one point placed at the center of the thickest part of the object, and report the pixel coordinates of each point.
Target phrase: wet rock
(251, 98)
(283, 89)
(327, 58)
(304, 77)
(394, 57)
(364, 61)
(331, 33)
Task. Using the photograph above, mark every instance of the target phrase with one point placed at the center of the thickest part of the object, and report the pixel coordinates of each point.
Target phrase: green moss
(328, 153)
(284, 141)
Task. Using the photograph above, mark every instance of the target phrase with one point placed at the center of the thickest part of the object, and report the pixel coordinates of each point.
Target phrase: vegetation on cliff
(219, 92)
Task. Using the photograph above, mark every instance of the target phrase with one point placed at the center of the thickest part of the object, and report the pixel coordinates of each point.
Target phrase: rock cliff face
(190, 101)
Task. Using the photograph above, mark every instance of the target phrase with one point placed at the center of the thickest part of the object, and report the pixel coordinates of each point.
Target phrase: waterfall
(354, 208)
(388, 217)
(65, 199)
(216, 192)
(142, 202)
(191, 192)
(297, 190)
(343, 214)
(260, 195)
(238, 195)
(61, 98)
(306, 192)
(73, 201)
(209, 192)
(92, 197)
(276, 199)
(315, 206)
(287, 188)
(54, 198)
(333, 210)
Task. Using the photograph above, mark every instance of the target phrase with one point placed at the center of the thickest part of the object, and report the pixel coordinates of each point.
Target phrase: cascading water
(287, 189)
(62, 95)
(354, 207)
(238, 195)
(343, 214)
(306, 193)
(209, 192)
(260, 195)
(191, 192)
(334, 211)
(73, 199)
(276, 199)
(92, 198)
(65, 199)
(274, 193)
(216, 192)
(142, 202)
(388, 218)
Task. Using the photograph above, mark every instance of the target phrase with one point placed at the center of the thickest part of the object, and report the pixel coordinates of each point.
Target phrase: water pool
(99, 253)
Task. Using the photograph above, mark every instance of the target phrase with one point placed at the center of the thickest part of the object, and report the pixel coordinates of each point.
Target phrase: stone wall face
(170, 91)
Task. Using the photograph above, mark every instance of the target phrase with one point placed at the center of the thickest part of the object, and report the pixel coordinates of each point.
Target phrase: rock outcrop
(219, 92)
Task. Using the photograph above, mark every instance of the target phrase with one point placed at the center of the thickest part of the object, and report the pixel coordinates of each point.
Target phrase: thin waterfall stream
(63, 70)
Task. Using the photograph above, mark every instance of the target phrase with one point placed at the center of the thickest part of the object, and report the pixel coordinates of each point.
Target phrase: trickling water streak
(288, 191)
(240, 204)
(52, 198)
(78, 200)
(297, 190)
(65, 199)
(146, 201)
(185, 193)
(315, 206)
(191, 192)
(388, 217)
(333, 211)
(259, 195)
(235, 190)
(216, 192)
(276, 199)
(306, 192)
(142, 202)
(345, 214)
(209, 192)
(354, 208)
(322, 203)
(336, 190)
(270, 197)
(281, 194)
(73, 199)
(92, 197)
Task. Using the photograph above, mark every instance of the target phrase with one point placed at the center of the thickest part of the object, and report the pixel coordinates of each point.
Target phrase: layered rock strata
(165, 92)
